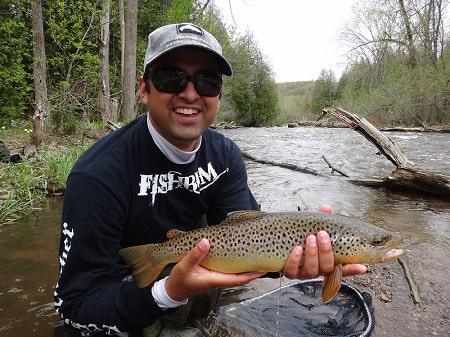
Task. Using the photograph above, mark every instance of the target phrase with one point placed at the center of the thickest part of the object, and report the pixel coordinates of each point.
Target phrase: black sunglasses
(175, 81)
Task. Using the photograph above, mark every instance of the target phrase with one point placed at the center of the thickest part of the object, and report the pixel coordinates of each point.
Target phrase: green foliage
(57, 168)
(294, 98)
(20, 183)
(71, 40)
(15, 56)
(252, 89)
(250, 96)
(25, 184)
(180, 10)
(324, 93)
(71, 30)
(404, 95)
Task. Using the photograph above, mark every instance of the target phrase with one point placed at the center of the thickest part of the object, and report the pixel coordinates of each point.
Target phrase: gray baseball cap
(167, 38)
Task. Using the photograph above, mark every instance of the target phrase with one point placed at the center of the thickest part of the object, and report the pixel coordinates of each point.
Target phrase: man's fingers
(290, 270)
(196, 254)
(325, 208)
(311, 266)
(353, 269)
(326, 257)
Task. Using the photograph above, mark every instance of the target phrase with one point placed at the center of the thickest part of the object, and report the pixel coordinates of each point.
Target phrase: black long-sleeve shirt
(122, 192)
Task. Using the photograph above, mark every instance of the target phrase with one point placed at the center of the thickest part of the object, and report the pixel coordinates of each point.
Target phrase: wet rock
(15, 157)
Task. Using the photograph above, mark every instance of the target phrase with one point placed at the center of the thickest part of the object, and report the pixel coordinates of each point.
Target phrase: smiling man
(166, 170)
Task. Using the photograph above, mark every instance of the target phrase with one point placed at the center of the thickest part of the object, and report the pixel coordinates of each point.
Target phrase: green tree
(325, 91)
(71, 30)
(399, 62)
(253, 91)
(180, 11)
(15, 59)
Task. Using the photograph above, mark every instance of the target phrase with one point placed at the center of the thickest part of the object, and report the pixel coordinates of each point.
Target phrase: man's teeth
(186, 111)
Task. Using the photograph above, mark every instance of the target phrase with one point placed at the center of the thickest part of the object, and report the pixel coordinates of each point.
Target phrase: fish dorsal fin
(241, 216)
(171, 233)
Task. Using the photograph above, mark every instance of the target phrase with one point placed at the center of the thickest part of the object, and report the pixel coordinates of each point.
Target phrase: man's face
(182, 117)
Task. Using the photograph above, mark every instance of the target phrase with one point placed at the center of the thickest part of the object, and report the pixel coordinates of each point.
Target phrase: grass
(57, 168)
(23, 185)
(19, 190)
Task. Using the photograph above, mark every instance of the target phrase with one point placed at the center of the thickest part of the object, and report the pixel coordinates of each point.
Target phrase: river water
(28, 248)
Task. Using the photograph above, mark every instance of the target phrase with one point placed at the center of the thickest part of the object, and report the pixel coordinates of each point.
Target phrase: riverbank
(24, 184)
(332, 124)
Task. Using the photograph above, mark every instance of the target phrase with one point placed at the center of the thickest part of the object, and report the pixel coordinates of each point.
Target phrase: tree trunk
(129, 80)
(409, 33)
(104, 62)
(122, 37)
(39, 72)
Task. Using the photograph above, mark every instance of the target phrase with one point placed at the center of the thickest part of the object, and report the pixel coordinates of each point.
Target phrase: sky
(298, 37)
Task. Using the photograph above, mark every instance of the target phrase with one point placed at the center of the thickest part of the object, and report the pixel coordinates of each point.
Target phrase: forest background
(397, 71)
(67, 66)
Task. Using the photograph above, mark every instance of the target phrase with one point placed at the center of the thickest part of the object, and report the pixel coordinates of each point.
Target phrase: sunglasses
(175, 81)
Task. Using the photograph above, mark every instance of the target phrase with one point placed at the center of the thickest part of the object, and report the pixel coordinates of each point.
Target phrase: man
(165, 171)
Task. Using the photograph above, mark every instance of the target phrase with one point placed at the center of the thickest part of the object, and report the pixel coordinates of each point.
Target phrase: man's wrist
(161, 297)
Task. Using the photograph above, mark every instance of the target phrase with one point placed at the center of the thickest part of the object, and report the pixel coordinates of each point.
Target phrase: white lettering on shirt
(155, 184)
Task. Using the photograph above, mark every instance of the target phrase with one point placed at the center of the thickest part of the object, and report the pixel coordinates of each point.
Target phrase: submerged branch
(414, 290)
(284, 165)
(334, 168)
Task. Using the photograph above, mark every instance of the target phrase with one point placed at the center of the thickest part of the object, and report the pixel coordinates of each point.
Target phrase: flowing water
(28, 248)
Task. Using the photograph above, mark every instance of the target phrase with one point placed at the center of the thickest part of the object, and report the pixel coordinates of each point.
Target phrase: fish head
(371, 246)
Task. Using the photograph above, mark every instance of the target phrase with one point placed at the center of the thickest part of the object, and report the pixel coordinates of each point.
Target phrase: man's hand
(188, 278)
(319, 259)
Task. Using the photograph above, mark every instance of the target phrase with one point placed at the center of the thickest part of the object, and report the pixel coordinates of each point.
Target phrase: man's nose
(190, 93)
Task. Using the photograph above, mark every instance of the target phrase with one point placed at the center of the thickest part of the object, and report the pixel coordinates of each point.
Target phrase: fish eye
(381, 241)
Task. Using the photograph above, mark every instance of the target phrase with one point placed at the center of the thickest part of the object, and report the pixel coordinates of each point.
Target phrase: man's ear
(143, 90)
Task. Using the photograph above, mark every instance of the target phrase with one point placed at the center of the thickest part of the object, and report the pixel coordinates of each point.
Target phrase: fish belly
(236, 264)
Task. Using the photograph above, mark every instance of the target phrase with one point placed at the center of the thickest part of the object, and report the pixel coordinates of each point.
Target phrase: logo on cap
(187, 28)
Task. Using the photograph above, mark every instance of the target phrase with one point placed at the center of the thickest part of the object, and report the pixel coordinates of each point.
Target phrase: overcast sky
(299, 37)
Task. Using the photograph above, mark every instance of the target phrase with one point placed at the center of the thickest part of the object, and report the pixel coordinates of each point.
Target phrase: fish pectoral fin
(145, 268)
(171, 233)
(240, 216)
(332, 283)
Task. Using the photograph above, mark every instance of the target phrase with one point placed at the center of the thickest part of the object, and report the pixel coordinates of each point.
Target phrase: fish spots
(273, 236)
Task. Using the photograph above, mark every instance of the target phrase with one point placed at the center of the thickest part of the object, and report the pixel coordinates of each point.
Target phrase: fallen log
(284, 165)
(317, 124)
(225, 125)
(407, 176)
(424, 129)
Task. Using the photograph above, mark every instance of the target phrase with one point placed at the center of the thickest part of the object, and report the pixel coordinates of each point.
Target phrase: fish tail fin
(332, 283)
(146, 267)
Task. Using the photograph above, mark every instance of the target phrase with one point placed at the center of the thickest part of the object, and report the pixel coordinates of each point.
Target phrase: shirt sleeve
(233, 193)
(92, 293)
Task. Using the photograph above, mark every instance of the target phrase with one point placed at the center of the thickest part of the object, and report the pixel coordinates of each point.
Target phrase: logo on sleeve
(155, 184)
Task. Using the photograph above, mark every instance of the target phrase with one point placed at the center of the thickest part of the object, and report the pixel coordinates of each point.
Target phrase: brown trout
(254, 241)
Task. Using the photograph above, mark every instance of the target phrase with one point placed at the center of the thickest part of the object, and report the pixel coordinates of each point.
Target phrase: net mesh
(297, 310)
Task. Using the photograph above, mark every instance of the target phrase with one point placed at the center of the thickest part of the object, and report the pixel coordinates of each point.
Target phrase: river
(28, 248)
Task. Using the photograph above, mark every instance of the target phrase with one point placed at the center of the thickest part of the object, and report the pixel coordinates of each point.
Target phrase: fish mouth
(390, 253)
